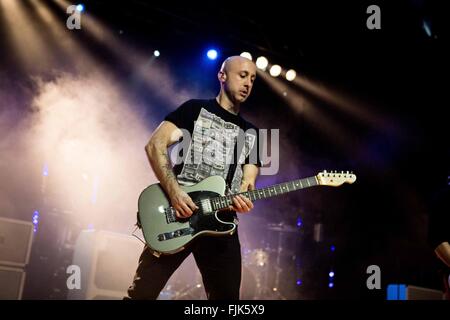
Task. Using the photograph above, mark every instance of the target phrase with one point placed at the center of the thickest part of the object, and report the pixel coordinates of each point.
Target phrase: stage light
(427, 28)
(299, 282)
(331, 274)
(212, 54)
(330, 285)
(261, 63)
(332, 248)
(45, 170)
(35, 220)
(156, 53)
(299, 222)
(246, 55)
(80, 7)
(275, 70)
(290, 75)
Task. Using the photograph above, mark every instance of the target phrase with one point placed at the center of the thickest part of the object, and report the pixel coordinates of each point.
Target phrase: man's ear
(222, 76)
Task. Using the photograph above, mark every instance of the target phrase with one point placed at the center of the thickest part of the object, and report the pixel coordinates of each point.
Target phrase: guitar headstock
(335, 178)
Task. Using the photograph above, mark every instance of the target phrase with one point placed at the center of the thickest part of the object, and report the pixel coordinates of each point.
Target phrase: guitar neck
(223, 202)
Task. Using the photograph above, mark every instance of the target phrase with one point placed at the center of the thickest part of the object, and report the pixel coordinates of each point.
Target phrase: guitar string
(256, 191)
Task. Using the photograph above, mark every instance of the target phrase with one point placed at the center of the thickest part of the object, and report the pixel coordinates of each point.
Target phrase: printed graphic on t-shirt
(211, 150)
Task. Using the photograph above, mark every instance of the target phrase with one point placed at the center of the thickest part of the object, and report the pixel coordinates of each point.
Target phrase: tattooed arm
(156, 149)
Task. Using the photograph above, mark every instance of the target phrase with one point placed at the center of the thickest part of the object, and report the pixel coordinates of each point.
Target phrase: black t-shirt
(209, 143)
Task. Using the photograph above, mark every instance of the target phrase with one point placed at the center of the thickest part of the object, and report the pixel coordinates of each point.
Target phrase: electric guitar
(164, 233)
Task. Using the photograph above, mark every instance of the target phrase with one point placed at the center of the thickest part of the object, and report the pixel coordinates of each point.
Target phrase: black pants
(218, 259)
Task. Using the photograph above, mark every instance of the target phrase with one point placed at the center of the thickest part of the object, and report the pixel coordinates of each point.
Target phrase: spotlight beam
(60, 35)
(301, 104)
(163, 85)
(29, 45)
(350, 106)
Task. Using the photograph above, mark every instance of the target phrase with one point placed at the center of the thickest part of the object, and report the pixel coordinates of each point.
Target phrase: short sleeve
(183, 116)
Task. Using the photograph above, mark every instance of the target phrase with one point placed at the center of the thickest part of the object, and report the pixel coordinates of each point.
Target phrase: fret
(281, 190)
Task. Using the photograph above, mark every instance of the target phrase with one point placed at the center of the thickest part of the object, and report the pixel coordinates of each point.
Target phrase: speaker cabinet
(15, 242)
(107, 263)
(11, 283)
(420, 293)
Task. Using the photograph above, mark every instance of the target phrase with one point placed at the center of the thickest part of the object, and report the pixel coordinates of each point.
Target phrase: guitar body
(164, 233)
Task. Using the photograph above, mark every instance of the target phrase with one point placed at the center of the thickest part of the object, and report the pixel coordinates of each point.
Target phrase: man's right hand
(182, 203)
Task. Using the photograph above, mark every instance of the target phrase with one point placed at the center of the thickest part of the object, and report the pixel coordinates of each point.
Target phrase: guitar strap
(238, 146)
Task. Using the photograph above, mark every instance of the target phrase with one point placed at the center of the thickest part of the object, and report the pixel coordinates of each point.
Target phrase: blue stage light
(35, 220)
(212, 54)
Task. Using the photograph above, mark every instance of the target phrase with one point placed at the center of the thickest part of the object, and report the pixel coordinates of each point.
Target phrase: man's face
(240, 75)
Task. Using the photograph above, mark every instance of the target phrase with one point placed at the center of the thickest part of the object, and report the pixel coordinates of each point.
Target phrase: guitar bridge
(175, 234)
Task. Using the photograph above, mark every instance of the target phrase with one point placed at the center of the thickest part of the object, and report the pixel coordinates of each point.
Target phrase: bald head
(236, 77)
(234, 62)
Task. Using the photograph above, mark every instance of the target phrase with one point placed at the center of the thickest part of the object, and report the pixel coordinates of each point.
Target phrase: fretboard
(223, 202)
